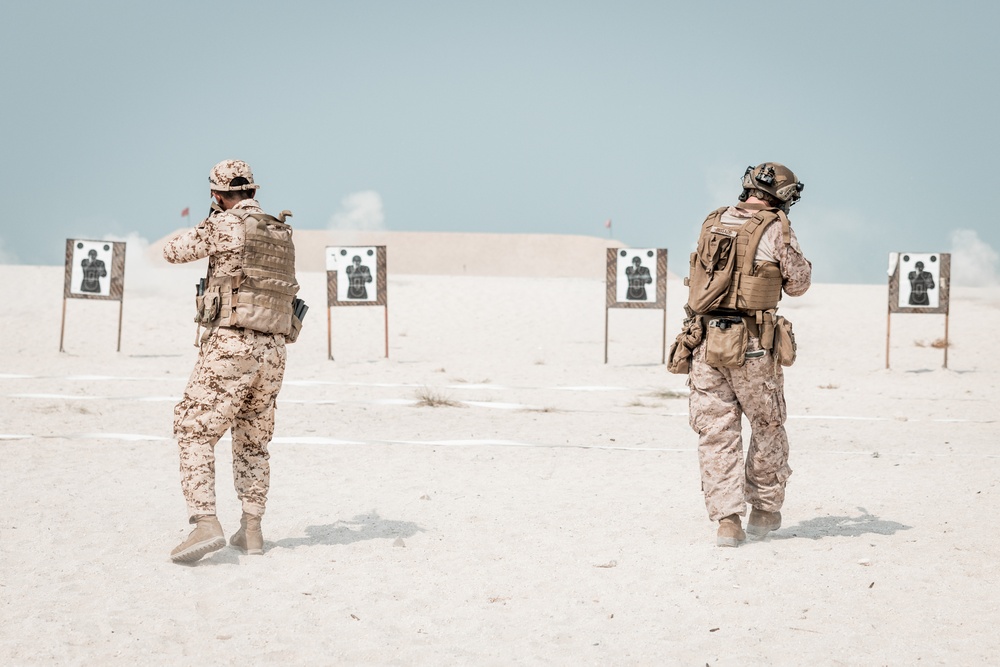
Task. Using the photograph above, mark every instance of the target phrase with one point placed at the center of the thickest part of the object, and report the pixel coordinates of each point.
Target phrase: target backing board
(637, 278)
(919, 282)
(94, 269)
(356, 276)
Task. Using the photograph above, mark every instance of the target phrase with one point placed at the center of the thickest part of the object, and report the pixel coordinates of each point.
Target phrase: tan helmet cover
(775, 179)
(222, 175)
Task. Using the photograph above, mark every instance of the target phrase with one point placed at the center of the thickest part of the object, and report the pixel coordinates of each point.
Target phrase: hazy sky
(509, 116)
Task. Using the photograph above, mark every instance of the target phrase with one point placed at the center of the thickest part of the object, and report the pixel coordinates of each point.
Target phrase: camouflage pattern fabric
(220, 237)
(223, 174)
(234, 385)
(718, 400)
(720, 397)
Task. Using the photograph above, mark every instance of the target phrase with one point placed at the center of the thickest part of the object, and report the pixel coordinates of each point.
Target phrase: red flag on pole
(607, 223)
(186, 212)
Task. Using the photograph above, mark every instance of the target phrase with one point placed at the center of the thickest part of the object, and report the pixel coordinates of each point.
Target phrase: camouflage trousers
(233, 386)
(719, 398)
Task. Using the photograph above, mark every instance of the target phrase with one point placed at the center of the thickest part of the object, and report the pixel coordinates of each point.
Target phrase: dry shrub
(668, 393)
(428, 398)
(940, 344)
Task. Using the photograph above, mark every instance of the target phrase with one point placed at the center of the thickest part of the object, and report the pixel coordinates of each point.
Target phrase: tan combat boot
(204, 539)
(730, 531)
(249, 538)
(761, 523)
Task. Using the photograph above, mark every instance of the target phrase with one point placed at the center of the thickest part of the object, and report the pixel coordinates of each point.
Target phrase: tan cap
(223, 174)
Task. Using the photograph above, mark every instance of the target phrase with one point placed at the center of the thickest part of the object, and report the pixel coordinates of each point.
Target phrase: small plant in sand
(428, 398)
(829, 386)
(938, 344)
(668, 393)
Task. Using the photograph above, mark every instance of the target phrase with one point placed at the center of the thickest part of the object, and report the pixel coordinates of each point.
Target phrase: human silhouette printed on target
(358, 276)
(93, 271)
(638, 278)
(921, 282)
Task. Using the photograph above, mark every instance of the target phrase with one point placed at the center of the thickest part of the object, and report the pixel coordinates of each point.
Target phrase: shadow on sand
(839, 526)
(362, 527)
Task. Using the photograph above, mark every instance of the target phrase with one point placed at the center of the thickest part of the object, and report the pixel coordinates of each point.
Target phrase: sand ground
(551, 515)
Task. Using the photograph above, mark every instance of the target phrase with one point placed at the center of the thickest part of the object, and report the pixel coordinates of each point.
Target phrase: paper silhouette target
(356, 275)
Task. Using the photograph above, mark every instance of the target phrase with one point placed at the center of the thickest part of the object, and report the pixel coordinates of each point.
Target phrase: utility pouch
(293, 335)
(299, 310)
(208, 306)
(682, 349)
(712, 268)
(726, 342)
(784, 342)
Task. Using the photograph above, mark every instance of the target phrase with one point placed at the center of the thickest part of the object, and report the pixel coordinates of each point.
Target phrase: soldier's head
(232, 181)
(93, 254)
(636, 261)
(919, 266)
(357, 260)
(773, 183)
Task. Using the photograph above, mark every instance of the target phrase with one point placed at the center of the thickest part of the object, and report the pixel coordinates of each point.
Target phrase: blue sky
(507, 117)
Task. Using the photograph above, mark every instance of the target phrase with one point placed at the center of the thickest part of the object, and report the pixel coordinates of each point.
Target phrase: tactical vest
(723, 273)
(260, 296)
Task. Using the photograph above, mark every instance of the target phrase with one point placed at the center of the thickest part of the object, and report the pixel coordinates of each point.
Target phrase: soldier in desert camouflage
(241, 360)
(736, 368)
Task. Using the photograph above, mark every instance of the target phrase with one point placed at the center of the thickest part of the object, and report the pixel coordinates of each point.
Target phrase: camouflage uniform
(720, 396)
(234, 383)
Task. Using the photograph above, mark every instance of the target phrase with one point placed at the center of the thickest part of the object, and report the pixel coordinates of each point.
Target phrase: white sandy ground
(554, 516)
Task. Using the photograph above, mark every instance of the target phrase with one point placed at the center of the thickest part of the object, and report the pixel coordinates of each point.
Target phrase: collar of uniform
(247, 203)
(738, 212)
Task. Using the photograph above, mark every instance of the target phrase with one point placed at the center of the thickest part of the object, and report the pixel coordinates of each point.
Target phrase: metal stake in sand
(636, 278)
(94, 270)
(925, 289)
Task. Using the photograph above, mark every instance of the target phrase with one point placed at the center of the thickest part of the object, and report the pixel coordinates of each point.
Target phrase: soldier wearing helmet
(747, 257)
(246, 312)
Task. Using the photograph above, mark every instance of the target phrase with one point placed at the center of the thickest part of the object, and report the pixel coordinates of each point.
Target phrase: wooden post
(663, 357)
(329, 336)
(386, 331)
(121, 307)
(606, 335)
(62, 329)
(888, 323)
(946, 340)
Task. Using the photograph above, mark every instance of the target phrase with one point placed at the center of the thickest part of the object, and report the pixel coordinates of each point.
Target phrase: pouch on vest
(784, 342)
(726, 343)
(299, 309)
(682, 349)
(712, 267)
(208, 306)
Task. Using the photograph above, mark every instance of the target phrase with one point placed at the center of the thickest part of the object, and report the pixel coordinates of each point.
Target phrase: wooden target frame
(943, 287)
(116, 287)
(612, 299)
(333, 299)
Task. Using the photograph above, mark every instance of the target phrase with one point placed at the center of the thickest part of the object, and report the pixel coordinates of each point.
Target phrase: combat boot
(761, 523)
(204, 539)
(730, 531)
(249, 538)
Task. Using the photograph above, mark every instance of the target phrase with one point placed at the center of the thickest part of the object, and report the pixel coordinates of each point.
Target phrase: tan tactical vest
(723, 273)
(260, 297)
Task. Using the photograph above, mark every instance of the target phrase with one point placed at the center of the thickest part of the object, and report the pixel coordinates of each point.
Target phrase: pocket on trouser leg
(774, 408)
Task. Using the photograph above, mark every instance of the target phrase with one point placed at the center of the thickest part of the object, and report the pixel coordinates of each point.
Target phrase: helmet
(776, 180)
(223, 174)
